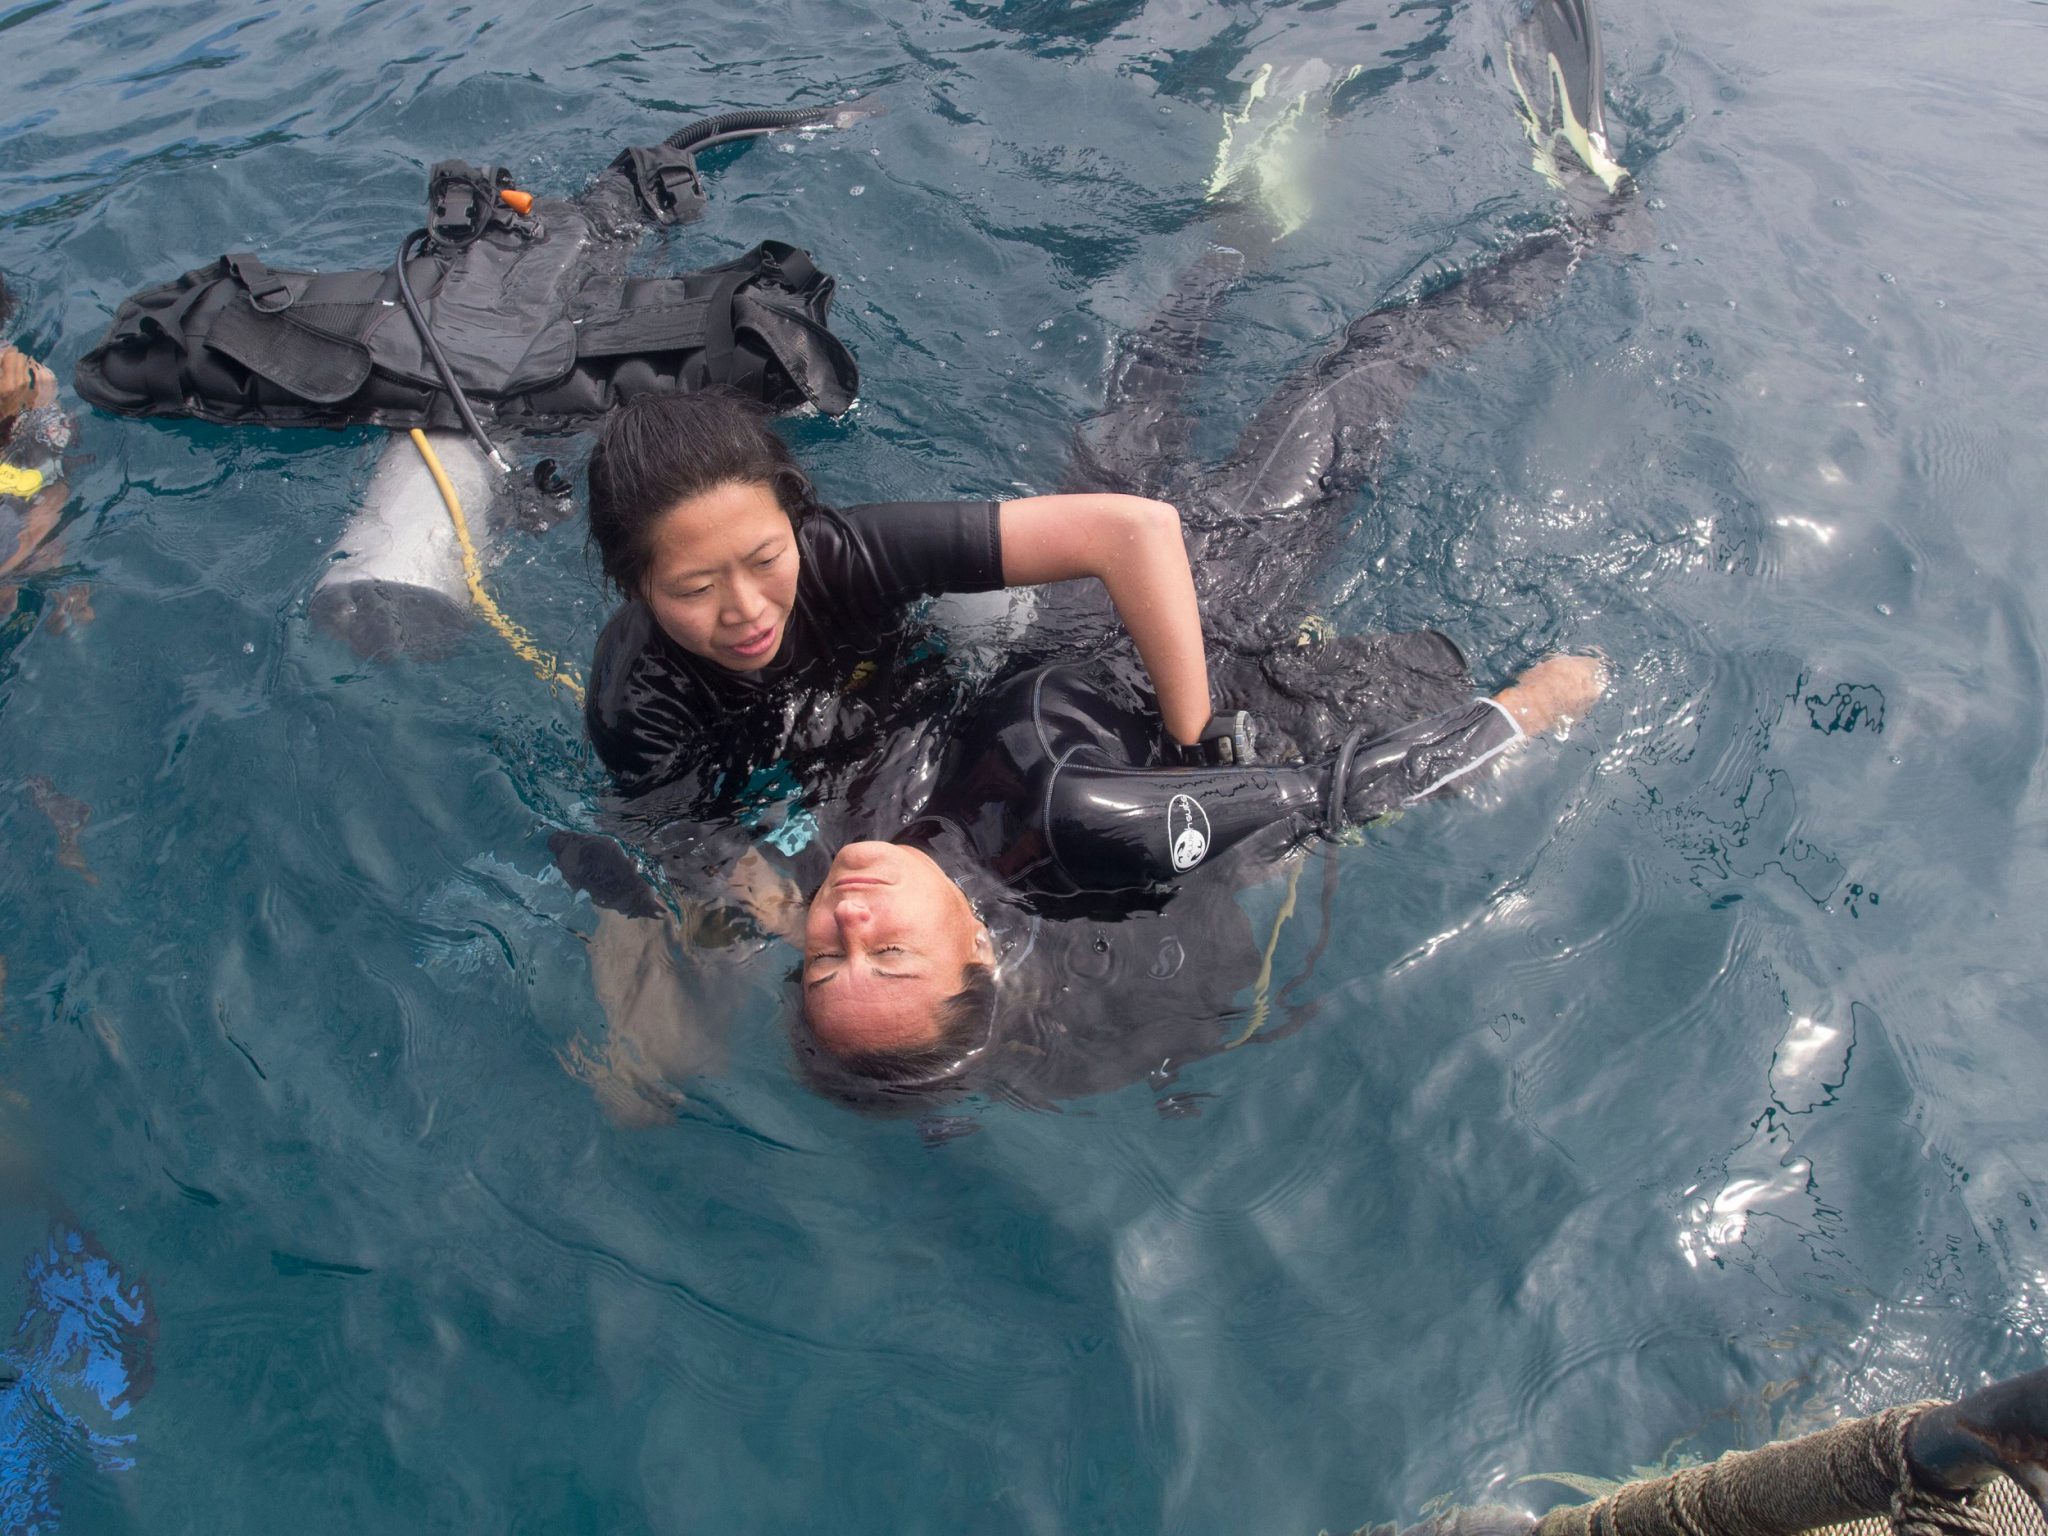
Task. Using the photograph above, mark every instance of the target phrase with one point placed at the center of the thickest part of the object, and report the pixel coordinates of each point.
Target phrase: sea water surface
(1687, 1089)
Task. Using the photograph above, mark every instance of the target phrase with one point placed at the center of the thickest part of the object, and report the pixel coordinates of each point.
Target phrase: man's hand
(1556, 690)
(23, 383)
(17, 382)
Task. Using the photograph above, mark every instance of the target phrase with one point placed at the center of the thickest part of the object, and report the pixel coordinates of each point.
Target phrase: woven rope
(1851, 1480)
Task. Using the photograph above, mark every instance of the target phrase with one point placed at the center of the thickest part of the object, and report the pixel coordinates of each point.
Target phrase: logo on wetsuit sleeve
(1187, 832)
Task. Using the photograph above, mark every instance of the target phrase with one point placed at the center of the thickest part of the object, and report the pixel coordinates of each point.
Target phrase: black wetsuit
(1257, 527)
(1056, 787)
(846, 670)
(1054, 814)
(1109, 880)
(1052, 808)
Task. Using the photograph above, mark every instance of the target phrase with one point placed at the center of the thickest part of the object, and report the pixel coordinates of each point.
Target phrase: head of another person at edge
(17, 374)
(898, 978)
(694, 503)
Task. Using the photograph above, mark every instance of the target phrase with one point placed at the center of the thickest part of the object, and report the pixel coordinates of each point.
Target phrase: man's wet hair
(659, 450)
(902, 1081)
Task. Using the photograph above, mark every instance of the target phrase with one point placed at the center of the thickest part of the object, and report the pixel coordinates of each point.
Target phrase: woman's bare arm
(1133, 547)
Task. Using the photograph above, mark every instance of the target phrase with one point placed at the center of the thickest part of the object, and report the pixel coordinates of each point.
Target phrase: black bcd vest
(542, 325)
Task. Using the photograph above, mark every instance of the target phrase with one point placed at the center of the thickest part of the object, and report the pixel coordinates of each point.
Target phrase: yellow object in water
(23, 483)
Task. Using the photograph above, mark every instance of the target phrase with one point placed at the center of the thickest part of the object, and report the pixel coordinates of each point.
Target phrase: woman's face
(723, 575)
(886, 940)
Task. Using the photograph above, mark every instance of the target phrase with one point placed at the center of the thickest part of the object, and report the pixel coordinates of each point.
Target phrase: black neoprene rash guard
(655, 712)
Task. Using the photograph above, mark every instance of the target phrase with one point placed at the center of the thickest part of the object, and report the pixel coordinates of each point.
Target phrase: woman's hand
(1134, 548)
(1556, 690)
(661, 1026)
(769, 897)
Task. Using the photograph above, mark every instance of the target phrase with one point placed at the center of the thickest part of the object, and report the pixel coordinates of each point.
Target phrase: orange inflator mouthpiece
(518, 202)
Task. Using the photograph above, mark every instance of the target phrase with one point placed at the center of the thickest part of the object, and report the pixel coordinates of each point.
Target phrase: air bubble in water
(855, 190)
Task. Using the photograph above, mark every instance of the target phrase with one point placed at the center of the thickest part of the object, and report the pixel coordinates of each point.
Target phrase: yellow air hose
(545, 666)
(1262, 989)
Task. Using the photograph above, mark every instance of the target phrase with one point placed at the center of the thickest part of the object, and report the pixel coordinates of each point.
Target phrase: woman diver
(926, 942)
(756, 618)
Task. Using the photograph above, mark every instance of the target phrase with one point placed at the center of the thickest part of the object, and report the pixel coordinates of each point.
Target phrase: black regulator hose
(1336, 814)
(441, 364)
(747, 124)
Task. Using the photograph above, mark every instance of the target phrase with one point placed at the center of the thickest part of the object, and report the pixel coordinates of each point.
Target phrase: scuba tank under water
(508, 308)
(398, 586)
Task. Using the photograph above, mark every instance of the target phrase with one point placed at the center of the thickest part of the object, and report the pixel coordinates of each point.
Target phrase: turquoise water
(1688, 1087)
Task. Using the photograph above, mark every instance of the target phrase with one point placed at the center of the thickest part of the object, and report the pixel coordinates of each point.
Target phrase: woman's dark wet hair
(663, 449)
(885, 1082)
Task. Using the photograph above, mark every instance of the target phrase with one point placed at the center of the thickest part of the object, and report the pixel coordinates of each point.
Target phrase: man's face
(886, 940)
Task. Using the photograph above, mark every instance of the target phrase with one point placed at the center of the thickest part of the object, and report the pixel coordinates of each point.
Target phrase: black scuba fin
(1553, 58)
(1262, 157)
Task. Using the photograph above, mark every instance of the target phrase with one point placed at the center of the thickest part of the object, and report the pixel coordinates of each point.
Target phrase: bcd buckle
(267, 291)
(462, 200)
